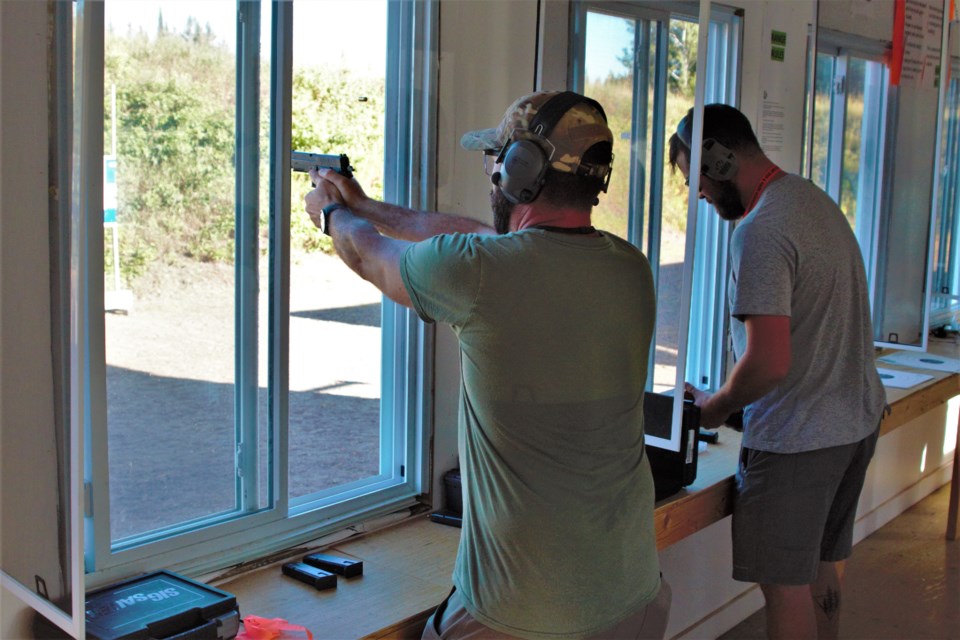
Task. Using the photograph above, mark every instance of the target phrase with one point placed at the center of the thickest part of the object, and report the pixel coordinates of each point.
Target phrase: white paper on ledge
(922, 361)
(901, 379)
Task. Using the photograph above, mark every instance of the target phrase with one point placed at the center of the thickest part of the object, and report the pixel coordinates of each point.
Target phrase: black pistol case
(161, 605)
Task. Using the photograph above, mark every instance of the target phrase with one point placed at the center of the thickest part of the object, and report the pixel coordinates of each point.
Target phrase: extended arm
(395, 221)
(374, 257)
(764, 364)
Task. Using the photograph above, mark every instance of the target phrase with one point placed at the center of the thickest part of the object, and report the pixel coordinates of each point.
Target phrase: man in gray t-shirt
(805, 374)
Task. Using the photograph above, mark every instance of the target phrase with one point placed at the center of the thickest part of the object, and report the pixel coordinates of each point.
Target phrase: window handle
(840, 85)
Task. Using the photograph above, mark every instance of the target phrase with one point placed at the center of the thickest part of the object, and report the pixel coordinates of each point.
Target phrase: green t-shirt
(554, 330)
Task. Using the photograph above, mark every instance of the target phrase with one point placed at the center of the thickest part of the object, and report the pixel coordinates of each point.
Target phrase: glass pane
(681, 83)
(609, 79)
(852, 162)
(610, 58)
(823, 96)
(170, 111)
(335, 317)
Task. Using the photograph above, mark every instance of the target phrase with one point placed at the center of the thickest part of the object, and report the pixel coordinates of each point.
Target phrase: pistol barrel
(303, 161)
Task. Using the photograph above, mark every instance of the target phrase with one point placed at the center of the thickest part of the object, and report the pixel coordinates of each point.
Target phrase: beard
(502, 210)
(728, 203)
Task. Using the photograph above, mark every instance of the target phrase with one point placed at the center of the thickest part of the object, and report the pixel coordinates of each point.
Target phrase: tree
(681, 56)
(682, 60)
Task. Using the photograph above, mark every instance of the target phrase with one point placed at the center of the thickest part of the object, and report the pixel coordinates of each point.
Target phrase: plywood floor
(903, 581)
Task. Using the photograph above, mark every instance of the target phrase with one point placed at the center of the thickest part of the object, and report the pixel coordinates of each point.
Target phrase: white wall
(15, 618)
(26, 391)
(867, 18)
(487, 60)
(772, 91)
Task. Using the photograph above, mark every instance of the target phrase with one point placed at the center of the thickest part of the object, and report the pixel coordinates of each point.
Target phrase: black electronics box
(672, 470)
(161, 605)
(452, 512)
(452, 492)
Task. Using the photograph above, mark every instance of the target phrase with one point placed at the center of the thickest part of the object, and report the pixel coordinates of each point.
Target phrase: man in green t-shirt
(554, 319)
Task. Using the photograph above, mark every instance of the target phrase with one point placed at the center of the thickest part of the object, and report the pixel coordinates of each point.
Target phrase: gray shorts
(451, 620)
(793, 511)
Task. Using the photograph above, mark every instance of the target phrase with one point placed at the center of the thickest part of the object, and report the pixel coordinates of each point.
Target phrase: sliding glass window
(246, 390)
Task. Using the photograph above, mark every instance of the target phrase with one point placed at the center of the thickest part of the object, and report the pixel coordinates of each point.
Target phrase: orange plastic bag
(257, 628)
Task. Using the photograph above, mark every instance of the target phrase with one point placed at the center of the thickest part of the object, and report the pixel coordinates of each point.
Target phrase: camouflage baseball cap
(580, 127)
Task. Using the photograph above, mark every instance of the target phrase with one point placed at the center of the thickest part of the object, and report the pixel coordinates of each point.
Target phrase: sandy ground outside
(171, 378)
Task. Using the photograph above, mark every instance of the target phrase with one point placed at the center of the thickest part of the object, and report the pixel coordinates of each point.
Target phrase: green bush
(335, 112)
(175, 142)
(174, 147)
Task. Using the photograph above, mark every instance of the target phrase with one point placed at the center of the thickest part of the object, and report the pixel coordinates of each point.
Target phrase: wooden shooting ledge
(407, 567)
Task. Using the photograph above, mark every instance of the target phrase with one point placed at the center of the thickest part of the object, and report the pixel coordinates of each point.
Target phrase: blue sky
(606, 38)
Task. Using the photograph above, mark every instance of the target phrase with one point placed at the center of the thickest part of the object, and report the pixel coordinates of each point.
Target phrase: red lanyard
(771, 174)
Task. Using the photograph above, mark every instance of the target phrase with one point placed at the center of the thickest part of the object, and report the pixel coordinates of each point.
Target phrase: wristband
(325, 216)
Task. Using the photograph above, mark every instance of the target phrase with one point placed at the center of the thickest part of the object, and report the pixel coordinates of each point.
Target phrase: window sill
(406, 573)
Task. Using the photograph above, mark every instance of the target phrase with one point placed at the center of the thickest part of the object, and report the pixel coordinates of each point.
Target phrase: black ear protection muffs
(524, 161)
(522, 171)
(716, 161)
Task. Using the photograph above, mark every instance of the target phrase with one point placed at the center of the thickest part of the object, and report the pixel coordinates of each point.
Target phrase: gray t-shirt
(795, 255)
(554, 330)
